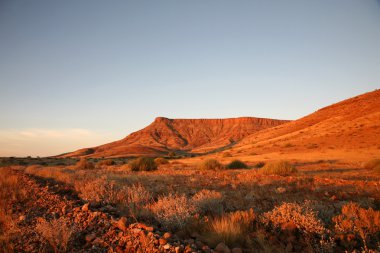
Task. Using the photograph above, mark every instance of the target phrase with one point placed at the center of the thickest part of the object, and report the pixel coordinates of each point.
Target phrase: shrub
(211, 164)
(160, 160)
(301, 216)
(372, 164)
(259, 165)
(231, 228)
(101, 191)
(359, 221)
(56, 232)
(281, 168)
(237, 164)
(208, 201)
(107, 162)
(173, 211)
(84, 164)
(143, 164)
(137, 200)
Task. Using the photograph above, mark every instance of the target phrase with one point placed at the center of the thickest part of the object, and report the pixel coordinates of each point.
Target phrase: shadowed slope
(181, 135)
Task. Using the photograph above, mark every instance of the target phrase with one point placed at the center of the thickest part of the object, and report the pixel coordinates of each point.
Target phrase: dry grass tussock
(231, 228)
(143, 164)
(84, 164)
(373, 165)
(57, 233)
(281, 168)
(211, 164)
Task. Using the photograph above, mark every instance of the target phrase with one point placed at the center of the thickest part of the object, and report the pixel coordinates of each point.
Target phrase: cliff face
(181, 135)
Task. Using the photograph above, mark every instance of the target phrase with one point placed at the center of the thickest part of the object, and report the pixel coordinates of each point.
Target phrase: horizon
(75, 75)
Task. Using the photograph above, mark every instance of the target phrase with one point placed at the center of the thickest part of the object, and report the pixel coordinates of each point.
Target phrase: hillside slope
(351, 126)
(181, 135)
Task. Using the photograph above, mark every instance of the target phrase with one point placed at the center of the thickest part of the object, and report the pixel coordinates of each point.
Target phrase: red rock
(162, 241)
(222, 248)
(122, 224)
(167, 235)
(236, 250)
(90, 237)
(85, 207)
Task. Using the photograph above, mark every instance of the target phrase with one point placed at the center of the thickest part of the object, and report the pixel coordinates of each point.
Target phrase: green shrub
(84, 164)
(160, 160)
(237, 164)
(281, 168)
(211, 164)
(372, 164)
(143, 164)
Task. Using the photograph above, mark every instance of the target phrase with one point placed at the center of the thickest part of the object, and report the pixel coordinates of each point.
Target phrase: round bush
(237, 164)
(281, 168)
(143, 164)
(211, 164)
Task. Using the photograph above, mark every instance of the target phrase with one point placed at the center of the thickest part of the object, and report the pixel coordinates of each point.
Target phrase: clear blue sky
(81, 73)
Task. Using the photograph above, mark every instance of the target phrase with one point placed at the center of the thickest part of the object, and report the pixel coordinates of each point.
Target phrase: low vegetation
(173, 211)
(161, 160)
(231, 228)
(57, 232)
(373, 165)
(143, 164)
(241, 208)
(281, 168)
(363, 223)
(211, 164)
(237, 164)
(84, 164)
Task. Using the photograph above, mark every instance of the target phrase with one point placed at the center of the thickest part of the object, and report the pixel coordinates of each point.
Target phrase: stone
(136, 230)
(236, 250)
(90, 237)
(22, 218)
(222, 248)
(167, 246)
(85, 207)
(64, 209)
(167, 235)
(178, 249)
(122, 224)
(150, 229)
(162, 241)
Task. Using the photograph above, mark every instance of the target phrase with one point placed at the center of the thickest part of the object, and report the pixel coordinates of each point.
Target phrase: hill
(348, 128)
(181, 136)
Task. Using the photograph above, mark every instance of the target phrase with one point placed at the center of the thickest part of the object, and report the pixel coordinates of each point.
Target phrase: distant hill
(181, 136)
(350, 126)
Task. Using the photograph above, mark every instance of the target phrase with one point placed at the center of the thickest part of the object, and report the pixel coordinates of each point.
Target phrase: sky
(76, 74)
